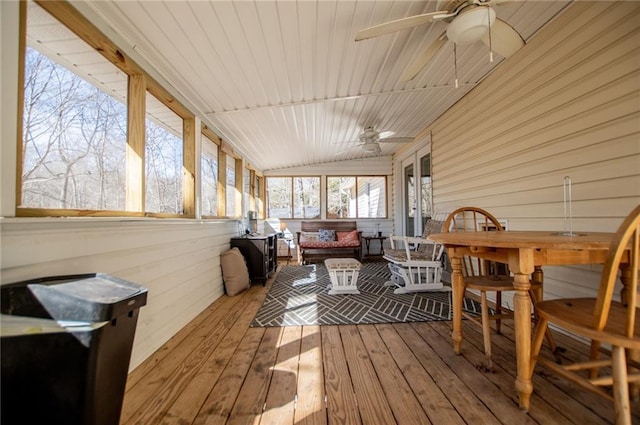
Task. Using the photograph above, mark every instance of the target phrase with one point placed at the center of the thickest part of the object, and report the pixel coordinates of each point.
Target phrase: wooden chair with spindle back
(604, 321)
(487, 276)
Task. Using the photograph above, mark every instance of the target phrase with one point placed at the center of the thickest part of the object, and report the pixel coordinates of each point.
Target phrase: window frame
(356, 208)
(207, 133)
(292, 191)
(139, 82)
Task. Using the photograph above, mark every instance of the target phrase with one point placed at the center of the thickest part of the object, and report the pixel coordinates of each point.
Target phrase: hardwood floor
(218, 370)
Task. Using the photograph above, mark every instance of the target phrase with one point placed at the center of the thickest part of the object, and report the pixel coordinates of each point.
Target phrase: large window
(99, 136)
(209, 176)
(232, 187)
(74, 128)
(293, 197)
(163, 159)
(357, 197)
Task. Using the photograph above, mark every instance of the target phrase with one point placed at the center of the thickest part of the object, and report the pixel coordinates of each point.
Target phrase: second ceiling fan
(370, 139)
(468, 21)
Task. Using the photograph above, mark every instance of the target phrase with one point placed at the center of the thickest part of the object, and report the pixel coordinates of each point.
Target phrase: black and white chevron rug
(299, 297)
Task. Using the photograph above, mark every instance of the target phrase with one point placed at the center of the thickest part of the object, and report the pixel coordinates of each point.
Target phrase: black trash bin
(66, 346)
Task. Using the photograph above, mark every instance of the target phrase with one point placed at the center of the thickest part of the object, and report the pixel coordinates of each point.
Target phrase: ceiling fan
(468, 21)
(370, 139)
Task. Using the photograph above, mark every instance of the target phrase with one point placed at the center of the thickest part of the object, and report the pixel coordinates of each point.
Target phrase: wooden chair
(487, 276)
(604, 321)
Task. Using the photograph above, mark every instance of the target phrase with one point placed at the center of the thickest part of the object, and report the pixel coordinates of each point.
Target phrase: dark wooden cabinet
(261, 253)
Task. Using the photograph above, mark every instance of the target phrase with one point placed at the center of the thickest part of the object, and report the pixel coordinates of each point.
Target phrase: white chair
(416, 262)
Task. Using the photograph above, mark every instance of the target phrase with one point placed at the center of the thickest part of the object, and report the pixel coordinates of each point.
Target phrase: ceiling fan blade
(397, 140)
(495, 2)
(505, 40)
(423, 59)
(400, 24)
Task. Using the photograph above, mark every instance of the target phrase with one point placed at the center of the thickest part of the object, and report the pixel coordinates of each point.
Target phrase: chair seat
(400, 255)
(576, 315)
(488, 283)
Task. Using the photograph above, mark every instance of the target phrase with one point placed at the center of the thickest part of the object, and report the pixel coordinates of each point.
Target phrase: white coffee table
(343, 273)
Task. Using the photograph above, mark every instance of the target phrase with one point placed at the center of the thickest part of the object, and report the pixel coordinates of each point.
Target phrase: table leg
(457, 285)
(522, 319)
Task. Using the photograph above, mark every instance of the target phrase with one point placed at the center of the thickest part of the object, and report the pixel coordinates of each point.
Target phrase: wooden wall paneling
(136, 107)
(222, 183)
(189, 167)
(239, 187)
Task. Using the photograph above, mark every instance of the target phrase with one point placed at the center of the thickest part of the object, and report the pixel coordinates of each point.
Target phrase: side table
(367, 243)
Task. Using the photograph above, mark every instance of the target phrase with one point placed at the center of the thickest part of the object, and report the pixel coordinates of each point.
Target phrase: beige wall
(567, 104)
(178, 261)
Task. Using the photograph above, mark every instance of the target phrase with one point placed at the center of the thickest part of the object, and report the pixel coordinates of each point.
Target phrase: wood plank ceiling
(285, 83)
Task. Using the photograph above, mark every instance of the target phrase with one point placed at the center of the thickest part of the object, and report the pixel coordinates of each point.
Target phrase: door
(417, 203)
(424, 198)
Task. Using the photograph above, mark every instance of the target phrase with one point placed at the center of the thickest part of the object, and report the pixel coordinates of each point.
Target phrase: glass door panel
(409, 199)
(425, 189)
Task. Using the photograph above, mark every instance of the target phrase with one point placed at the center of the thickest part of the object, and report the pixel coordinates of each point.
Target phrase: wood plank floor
(218, 370)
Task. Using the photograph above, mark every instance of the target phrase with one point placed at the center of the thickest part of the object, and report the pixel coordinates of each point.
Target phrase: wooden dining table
(526, 252)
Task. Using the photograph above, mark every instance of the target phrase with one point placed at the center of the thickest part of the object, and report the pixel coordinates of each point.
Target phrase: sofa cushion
(347, 236)
(330, 244)
(326, 235)
(235, 274)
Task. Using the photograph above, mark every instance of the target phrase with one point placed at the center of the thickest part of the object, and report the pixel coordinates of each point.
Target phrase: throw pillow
(234, 272)
(347, 236)
(309, 236)
(327, 235)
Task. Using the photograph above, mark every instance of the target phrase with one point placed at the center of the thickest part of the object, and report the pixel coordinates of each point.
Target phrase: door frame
(411, 156)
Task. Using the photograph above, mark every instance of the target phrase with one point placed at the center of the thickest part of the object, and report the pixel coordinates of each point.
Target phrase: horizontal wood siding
(567, 104)
(178, 262)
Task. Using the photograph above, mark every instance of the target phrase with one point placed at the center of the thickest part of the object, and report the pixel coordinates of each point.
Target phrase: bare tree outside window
(279, 190)
(163, 159)
(293, 197)
(74, 140)
(209, 177)
(306, 200)
(231, 186)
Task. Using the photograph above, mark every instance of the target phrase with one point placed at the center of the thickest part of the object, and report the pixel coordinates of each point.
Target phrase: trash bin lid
(93, 297)
(99, 289)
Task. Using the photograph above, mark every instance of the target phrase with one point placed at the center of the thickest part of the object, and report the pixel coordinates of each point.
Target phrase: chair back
(472, 219)
(625, 247)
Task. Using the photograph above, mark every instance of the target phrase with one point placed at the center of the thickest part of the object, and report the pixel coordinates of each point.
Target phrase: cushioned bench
(325, 239)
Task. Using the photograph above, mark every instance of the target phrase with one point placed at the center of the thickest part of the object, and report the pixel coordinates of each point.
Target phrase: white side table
(343, 273)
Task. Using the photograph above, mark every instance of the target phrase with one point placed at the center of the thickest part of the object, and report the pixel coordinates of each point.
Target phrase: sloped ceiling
(285, 83)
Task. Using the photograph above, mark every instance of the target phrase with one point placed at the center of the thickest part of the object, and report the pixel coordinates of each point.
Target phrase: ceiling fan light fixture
(371, 147)
(471, 25)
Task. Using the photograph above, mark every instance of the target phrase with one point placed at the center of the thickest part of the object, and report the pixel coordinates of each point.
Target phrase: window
(86, 146)
(258, 193)
(74, 125)
(163, 159)
(209, 177)
(357, 197)
(293, 197)
(232, 191)
(279, 191)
